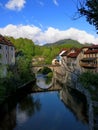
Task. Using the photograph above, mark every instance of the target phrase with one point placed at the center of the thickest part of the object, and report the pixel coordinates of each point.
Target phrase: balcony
(90, 62)
(88, 65)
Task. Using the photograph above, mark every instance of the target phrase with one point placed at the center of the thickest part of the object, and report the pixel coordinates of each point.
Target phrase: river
(57, 110)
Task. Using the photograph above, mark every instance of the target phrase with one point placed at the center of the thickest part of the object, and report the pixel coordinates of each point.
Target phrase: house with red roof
(90, 58)
(79, 59)
(58, 59)
(72, 58)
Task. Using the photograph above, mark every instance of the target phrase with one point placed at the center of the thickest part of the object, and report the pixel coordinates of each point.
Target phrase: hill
(68, 43)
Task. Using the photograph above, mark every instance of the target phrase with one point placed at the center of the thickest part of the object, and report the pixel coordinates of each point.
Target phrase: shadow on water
(26, 104)
(76, 103)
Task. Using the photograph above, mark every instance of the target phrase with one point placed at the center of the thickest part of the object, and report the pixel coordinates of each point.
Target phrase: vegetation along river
(51, 110)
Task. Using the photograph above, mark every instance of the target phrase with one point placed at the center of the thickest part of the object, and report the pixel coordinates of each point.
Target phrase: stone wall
(84, 91)
(71, 78)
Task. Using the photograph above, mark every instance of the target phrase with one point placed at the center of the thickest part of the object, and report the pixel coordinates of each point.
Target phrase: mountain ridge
(65, 42)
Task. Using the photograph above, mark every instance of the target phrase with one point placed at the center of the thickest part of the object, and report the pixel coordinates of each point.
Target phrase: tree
(89, 8)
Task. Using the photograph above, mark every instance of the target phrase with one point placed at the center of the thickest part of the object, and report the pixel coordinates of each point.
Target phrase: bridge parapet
(36, 68)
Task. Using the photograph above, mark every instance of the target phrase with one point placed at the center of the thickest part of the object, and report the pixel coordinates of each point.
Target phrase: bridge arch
(36, 68)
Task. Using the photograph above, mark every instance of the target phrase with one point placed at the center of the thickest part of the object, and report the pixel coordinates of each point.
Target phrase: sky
(44, 21)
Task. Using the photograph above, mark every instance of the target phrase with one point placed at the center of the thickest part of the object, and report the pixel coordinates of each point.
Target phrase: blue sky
(44, 21)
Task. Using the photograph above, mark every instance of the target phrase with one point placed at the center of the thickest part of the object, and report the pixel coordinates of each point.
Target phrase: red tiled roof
(91, 51)
(4, 41)
(74, 54)
(94, 47)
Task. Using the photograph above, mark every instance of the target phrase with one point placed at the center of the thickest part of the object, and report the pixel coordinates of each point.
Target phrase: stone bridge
(36, 68)
(55, 86)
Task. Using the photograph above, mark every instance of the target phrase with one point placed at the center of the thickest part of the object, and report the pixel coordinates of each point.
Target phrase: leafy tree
(89, 8)
(89, 78)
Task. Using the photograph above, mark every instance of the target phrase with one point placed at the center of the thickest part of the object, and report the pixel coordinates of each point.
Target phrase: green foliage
(45, 70)
(25, 47)
(25, 50)
(23, 66)
(89, 78)
(7, 85)
(50, 74)
(90, 10)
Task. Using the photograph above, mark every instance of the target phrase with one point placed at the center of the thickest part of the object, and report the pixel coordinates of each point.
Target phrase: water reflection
(53, 115)
(9, 116)
(8, 121)
(29, 105)
(76, 102)
(43, 81)
(64, 110)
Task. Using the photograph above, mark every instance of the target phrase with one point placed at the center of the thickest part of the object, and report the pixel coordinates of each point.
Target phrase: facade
(62, 55)
(55, 62)
(80, 59)
(7, 55)
(72, 58)
(7, 52)
(90, 58)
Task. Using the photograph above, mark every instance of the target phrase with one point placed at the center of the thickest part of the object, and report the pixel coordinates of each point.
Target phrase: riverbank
(91, 93)
(19, 92)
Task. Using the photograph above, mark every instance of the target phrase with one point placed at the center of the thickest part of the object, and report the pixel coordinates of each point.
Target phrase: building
(90, 58)
(62, 54)
(7, 55)
(79, 59)
(71, 58)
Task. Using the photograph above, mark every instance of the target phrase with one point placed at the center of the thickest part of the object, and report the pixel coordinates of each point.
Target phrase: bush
(89, 78)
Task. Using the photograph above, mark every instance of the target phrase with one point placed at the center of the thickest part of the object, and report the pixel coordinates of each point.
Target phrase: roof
(91, 51)
(85, 47)
(94, 47)
(5, 41)
(88, 59)
(74, 54)
(63, 52)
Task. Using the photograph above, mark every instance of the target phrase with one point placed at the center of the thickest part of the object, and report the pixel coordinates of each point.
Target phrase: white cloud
(15, 4)
(48, 36)
(22, 117)
(55, 2)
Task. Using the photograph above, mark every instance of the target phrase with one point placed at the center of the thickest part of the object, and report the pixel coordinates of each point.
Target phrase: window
(0, 47)
(11, 48)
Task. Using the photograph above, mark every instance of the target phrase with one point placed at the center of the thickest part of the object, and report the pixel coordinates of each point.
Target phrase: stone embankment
(92, 104)
(84, 91)
(72, 78)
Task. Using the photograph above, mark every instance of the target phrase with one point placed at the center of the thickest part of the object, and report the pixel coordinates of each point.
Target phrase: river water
(57, 110)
